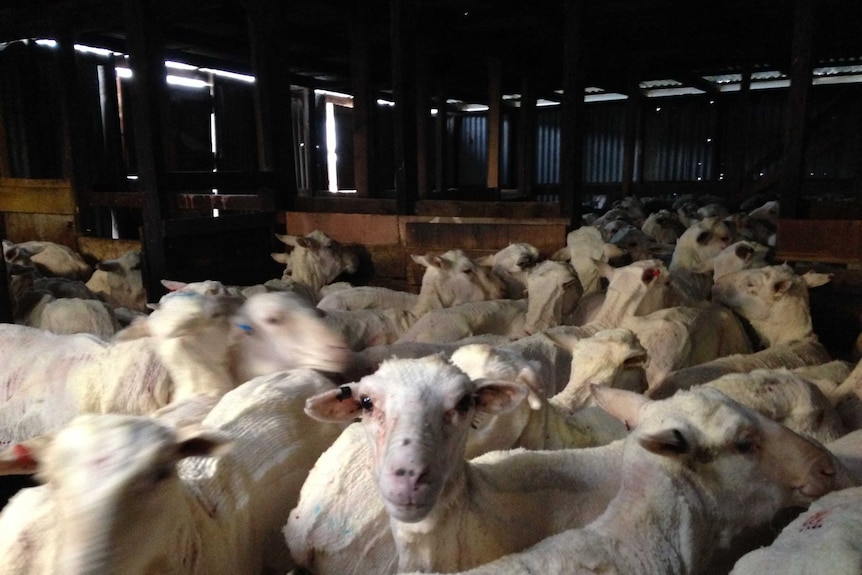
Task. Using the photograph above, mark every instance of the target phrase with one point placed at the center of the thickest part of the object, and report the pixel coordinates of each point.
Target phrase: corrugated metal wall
(679, 139)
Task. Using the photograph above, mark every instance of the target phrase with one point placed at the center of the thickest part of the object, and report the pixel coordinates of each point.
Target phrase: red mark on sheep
(815, 521)
(23, 456)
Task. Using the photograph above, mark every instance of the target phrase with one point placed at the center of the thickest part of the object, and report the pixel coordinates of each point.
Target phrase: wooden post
(571, 152)
(403, 16)
(793, 164)
(5, 170)
(494, 127)
(527, 138)
(423, 124)
(270, 60)
(441, 148)
(76, 166)
(631, 135)
(149, 114)
(363, 103)
(111, 131)
(736, 173)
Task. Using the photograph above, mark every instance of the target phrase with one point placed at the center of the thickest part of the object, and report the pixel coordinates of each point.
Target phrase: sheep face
(284, 331)
(416, 413)
(752, 464)
(109, 473)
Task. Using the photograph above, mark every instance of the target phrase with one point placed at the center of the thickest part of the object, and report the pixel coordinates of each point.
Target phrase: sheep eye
(366, 403)
(162, 472)
(465, 404)
(744, 446)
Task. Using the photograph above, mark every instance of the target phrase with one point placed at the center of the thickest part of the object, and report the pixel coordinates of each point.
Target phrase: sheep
(315, 260)
(368, 297)
(128, 494)
(663, 226)
(697, 470)
(826, 538)
(74, 315)
(566, 419)
(54, 260)
(639, 245)
(785, 397)
(571, 487)
(584, 246)
(449, 279)
(447, 513)
(191, 344)
(120, 283)
(774, 300)
(513, 264)
(638, 288)
(697, 245)
(553, 292)
(737, 256)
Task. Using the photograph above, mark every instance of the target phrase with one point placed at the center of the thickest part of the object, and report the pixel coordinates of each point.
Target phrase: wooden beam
(793, 164)
(494, 126)
(149, 114)
(571, 147)
(403, 22)
(633, 132)
(272, 95)
(527, 138)
(36, 196)
(363, 103)
(441, 140)
(423, 123)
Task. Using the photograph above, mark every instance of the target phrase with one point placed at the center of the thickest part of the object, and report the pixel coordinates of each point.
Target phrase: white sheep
(690, 264)
(553, 290)
(826, 538)
(191, 344)
(513, 263)
(774, 300)
(315, 260)
(785, 397)
(738, 256)
(449, 279)
(124, 496)
(54, 260)
(697, 470)
(462, 500)
(120, 283)
(663, 226)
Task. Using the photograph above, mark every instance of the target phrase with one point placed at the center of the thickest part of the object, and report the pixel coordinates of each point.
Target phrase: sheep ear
(23, 458)
(196, 441)
(665, 442)
(173, 285)
(562, 340)
(814, 279)
(486, 261)
(113, 266)
(497, 396)
(280, 257)
(624, 405)
(286, 239)
(336, 405)
(605, 269)
(562, 255)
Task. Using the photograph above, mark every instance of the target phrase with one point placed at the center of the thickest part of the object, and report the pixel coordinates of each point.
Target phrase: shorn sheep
(449, 514)
(826, 538)
(697, 470)
(341, 483)
(125, 494)
(774, 300)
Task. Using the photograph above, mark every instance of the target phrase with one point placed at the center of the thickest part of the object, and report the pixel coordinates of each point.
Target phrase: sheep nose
(412, 477)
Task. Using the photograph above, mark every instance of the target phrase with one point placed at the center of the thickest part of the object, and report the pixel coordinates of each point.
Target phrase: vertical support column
(270, 59)
(75, 157)
(527, 138)
(632, 134)
(363, 103)
(423, 124)
(494, 128)
(441, 149)
(736, 173)
(403, 15)
(149, 115)
(571, 152)
(790, 190)
(111, 131)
